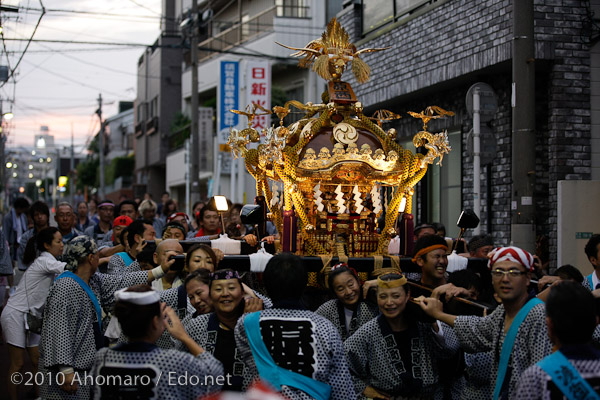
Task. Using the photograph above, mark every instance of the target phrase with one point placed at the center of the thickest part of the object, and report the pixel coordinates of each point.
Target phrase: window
(332, 8)
(377, 13)
(292, 8)
(444, 187)
(296, 93)
(141, 115)
(441, 188)
(153, 108)
(245, 27)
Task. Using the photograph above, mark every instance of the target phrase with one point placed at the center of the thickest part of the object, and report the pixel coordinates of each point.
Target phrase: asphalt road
(23, 392)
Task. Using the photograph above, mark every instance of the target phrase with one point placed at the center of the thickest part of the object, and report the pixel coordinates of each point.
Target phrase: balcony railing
(139, 129)
(152, 125)
(177, 139)
(237, 34)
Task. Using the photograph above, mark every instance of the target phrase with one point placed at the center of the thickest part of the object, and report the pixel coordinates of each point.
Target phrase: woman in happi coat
(41, 255)
(198, 292)
(214, 331)
(199, 256)
(348, 311)
(394, 355)
(72, 331)
(143, 318)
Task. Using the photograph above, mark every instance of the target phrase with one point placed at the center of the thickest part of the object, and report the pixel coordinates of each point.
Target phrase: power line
(108, 68)
(96, 65)
(77, 42)
(78, 33)
(71, 80)
(94, 13)
(92, 49)
(22, 106)
(12, 70)
(55, 98)
(146, 8)
(201, 48)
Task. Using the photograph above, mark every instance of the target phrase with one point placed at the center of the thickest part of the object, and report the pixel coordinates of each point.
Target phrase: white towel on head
(456, 262)
(227, 245)
(113, 330)
(394, 246)
(259, 260)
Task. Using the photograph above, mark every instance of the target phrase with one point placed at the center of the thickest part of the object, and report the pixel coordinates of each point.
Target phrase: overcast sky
(57, 84)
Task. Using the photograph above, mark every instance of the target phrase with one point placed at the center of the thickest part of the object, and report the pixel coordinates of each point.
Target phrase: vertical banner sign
(228, 99)
(258, 89)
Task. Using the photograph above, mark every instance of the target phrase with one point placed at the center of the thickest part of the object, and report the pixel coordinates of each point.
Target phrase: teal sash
(87, 289)
(591, 281)
(274, 374)
(509, 342)
(566, 377)
(126, 258)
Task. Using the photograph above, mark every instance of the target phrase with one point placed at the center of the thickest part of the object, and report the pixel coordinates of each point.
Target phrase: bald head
(165, 249)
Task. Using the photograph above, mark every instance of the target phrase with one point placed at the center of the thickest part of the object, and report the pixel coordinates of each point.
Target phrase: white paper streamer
(275, 196)
(340, 199)
(317, 196)
(376, 199)
(357, 200)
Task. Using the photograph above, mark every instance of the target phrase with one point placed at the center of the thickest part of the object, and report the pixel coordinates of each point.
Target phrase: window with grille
(292, 8)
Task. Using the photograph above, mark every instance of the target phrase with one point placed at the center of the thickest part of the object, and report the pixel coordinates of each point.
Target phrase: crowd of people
(108, 304)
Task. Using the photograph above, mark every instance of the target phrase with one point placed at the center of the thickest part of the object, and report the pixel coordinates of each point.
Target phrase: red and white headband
(513, 254)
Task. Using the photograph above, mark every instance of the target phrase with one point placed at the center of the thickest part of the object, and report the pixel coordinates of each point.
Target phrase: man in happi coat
(515, 332)
(573, 370)
(297, 351)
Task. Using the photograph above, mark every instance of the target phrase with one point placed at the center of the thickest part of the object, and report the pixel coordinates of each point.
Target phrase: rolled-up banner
(290, 231)
(406, 233)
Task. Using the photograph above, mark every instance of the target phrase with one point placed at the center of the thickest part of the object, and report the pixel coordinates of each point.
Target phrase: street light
(8, 116)
(45, 164)
(9, 165)
(221, 206)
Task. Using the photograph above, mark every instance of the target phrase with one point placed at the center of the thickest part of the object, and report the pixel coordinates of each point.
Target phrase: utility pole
(2, 160)
(101, 146)
(522, 232)
(194, 134)
(72, 170)
(477, 159)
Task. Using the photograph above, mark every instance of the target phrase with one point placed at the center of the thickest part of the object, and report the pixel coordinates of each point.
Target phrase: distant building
(43, 141)
(120, 131)
(158, 99)
(245, 31)
(119, 143)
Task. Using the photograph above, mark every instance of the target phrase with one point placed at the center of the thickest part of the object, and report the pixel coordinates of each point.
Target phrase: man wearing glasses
(515, 332)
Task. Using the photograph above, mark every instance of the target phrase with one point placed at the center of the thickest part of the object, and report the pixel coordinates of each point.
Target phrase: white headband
(138, 298)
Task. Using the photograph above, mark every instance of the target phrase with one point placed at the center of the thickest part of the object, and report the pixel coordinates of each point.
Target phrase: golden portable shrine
(334, 161)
